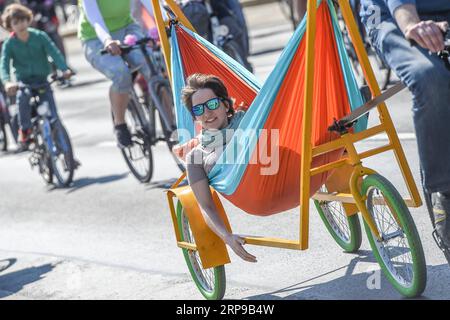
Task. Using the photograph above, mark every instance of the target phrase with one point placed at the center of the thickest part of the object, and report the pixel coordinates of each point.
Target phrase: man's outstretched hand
(427, 34)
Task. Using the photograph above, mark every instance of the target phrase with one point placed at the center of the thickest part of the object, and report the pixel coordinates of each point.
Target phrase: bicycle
(445, 56)
(220, 33)
(287, 8)
(140, 115)
(4, 120)
(51, 148)
(385, 70)
(389, 226)
(7, 120)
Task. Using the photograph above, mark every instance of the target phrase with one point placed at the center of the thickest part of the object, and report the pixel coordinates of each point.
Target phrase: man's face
(19, 25)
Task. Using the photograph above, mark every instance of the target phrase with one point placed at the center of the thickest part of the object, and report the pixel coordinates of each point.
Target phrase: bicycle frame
(211, 249)
(45, 122)
(156, 79)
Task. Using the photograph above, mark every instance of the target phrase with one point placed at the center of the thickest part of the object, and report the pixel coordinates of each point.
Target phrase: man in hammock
(207, 99)
(404, 33)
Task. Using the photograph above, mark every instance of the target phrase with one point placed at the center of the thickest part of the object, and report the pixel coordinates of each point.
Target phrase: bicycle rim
(3, 138)
(44, 162)
(138, 156)
(210, 282)
(165, 95)
(399, 252)
(62, 156)
(346, 231)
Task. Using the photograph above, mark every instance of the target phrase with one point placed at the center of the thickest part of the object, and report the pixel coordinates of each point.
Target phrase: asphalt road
(109, 237)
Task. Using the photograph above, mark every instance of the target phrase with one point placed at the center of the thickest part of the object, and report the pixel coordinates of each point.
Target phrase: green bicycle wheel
(210, 282)
(399, 252)
(346, 231)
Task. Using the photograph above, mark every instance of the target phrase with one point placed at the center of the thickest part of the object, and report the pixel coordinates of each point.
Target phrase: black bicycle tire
(231, 48)
(71, 161)
(46, 153)
(146, 145)
(429, 207)
(3, 137)
(168, 132)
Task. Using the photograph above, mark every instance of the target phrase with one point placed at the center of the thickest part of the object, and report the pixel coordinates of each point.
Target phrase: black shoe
(76, 163)
(22, 147)
(123, 136)
(441, 211)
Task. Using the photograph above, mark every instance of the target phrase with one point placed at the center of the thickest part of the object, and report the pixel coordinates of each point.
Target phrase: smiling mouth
(210, 120)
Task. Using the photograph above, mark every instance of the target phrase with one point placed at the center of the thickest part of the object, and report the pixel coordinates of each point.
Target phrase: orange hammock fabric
(268, 194)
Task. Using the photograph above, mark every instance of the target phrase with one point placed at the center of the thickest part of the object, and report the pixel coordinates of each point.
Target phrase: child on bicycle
(29, 51)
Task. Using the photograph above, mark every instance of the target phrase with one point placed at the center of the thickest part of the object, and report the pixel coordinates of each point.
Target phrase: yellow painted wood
(162, 35)
(273, 242)
(341, 197)
(187, 245)
(385, 117)
(373, 152)
(329, 166)
(212, 250)
(354, 137)
(307, 124)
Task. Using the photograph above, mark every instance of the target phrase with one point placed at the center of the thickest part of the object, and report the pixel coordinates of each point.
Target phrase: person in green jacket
(29, 50)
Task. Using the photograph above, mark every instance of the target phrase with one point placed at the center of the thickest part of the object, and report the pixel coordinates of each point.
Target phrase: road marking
(402, 136)
(107, 144)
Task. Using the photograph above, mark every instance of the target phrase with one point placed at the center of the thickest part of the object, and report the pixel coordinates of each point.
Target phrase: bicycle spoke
(395, 252)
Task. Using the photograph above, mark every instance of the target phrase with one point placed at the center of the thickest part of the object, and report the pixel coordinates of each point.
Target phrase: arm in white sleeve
(136, 11)
(95, 18)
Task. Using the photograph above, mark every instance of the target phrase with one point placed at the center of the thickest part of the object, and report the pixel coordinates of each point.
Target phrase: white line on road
(402, 136)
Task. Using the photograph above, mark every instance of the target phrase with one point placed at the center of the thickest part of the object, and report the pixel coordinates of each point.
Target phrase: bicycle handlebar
(54, 78)
(444, 55)
(127, 48)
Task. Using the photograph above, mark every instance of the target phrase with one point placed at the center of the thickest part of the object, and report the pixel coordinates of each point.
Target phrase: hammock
(277, 104)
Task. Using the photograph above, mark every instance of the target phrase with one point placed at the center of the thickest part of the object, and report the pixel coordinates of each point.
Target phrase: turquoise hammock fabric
(224, 177)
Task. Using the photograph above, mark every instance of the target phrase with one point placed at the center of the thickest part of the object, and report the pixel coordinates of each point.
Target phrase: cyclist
(391, 26)
(46, 20)
(105, 24)
(299, 7)
(229, 13)
(28, 49)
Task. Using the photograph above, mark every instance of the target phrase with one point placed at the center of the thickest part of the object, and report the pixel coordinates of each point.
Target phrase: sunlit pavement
(108, 236)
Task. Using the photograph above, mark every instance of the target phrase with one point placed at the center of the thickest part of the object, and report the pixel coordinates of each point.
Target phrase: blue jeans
(23, 98)
(113, 67)
(429, 82)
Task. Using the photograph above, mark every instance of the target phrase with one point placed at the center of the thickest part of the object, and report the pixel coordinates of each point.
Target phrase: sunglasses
(211, 104)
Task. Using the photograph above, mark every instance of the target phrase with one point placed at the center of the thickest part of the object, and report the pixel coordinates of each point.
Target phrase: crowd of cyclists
(409, 32)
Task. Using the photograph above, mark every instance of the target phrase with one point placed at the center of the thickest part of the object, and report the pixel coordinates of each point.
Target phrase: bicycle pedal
(439, 242)
(34, 161)
(76, 164)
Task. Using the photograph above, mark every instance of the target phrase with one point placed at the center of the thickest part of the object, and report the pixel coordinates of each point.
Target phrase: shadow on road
(11, 283)
(79, 84)
(287, 28)
(164, 184)
(357, 286)
(7, 263)
(85, 182)
(263, 52)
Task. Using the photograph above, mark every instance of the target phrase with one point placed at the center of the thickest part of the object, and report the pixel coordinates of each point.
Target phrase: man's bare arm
(428, 34)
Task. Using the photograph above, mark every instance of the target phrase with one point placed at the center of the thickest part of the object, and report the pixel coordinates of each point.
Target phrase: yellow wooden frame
(347, 141)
